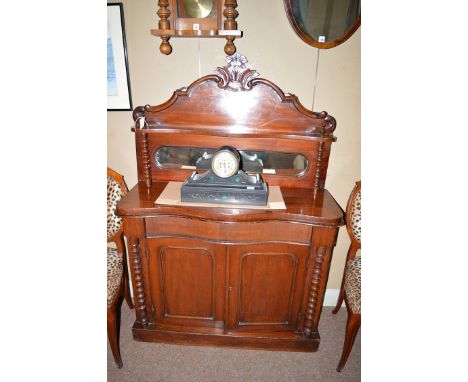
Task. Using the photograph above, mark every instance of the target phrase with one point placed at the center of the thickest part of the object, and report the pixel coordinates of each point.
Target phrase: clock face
(198, 9)
(225, 164)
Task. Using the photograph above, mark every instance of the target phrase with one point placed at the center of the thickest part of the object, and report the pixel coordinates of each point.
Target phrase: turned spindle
(164, 24)
(230, 23)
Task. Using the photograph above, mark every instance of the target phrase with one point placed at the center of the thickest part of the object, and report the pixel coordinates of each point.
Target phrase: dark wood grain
(267, 285)
(301, 207)
(229, 276)
(187, 282)
(235, 104)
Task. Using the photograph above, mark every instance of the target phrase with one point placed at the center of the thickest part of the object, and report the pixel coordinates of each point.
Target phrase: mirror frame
(166, 166)
(307, 39)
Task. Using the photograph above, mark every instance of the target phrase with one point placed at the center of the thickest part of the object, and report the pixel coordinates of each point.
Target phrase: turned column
(313, 300)
(164, 24)
(230, 23)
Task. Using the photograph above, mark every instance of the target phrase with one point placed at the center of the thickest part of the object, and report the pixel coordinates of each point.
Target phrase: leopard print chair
(117, 274)
(351, 285)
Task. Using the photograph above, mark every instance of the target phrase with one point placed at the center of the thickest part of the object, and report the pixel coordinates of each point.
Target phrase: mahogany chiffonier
(228, 276)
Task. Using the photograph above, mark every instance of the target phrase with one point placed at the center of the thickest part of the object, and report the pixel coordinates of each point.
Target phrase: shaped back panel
(234, 107)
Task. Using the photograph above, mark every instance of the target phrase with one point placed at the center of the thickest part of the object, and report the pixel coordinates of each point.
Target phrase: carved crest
(236, 76)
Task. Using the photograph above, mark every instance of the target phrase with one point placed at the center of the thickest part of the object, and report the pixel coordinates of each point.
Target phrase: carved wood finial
(164, 24)
(331, 123)
(312, 302)
(236, 76)
(138, 112)
(230, 23)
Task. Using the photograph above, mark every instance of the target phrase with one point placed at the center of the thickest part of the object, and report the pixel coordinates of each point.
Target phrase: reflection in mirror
(196, 9)
(267, 162)
(324, 23)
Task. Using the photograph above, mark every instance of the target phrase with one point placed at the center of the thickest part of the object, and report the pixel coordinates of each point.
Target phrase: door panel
(266, 284)
(187, 281)
(265, 277)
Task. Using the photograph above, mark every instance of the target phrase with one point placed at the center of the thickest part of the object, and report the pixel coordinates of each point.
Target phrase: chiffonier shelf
(230, 276)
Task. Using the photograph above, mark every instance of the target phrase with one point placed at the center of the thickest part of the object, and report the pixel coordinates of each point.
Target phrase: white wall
(274, 50)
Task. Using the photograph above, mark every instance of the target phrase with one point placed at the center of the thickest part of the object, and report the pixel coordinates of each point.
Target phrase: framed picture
(118, 81)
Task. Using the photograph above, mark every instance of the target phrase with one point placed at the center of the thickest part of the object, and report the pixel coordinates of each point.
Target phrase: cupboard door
(187, 282)
(266, 283)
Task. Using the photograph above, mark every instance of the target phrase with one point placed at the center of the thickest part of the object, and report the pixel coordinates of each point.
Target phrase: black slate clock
(225, 182)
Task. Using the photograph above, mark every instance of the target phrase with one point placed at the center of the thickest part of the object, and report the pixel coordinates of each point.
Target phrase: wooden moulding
(234, 101)
(196, 33)
(216, 337)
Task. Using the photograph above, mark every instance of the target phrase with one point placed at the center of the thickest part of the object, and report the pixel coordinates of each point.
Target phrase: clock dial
(225, 163)
(198, 8)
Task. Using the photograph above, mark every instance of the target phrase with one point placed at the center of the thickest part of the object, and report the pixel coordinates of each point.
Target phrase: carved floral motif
(236, 76)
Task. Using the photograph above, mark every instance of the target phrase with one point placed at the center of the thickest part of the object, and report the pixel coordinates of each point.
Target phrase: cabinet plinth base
(260, 341)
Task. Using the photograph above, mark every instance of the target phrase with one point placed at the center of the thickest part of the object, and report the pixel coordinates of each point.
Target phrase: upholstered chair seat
(114, 274)
(114, 194)
(352, 285)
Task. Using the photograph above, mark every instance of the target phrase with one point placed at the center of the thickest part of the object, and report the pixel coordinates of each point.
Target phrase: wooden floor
(177, 363)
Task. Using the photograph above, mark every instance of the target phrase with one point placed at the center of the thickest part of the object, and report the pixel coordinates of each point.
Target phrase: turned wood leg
(352, 326)
(112, 333)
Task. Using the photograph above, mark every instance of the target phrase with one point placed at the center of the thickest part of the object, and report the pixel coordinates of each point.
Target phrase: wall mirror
(324, 23)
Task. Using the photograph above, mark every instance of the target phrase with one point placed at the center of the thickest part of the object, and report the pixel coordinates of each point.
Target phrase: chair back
(116, 189)
(353, 216)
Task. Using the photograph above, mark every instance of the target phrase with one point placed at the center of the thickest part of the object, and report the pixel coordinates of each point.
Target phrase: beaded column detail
(313, 293)
(140, 300)
(317, 171)
(146, 159)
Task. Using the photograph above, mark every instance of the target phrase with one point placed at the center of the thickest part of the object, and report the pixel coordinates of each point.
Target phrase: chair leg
(126, 283)
(340, 299)
(352, 326)
(126, 288)
(351, 251)
(112, 333)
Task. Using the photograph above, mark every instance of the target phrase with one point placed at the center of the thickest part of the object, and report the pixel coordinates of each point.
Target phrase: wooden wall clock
(197, 18)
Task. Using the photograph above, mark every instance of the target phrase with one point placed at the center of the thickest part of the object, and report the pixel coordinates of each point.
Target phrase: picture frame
(118, 80)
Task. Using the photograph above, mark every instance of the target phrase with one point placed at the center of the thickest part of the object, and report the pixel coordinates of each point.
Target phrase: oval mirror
(324, 23)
